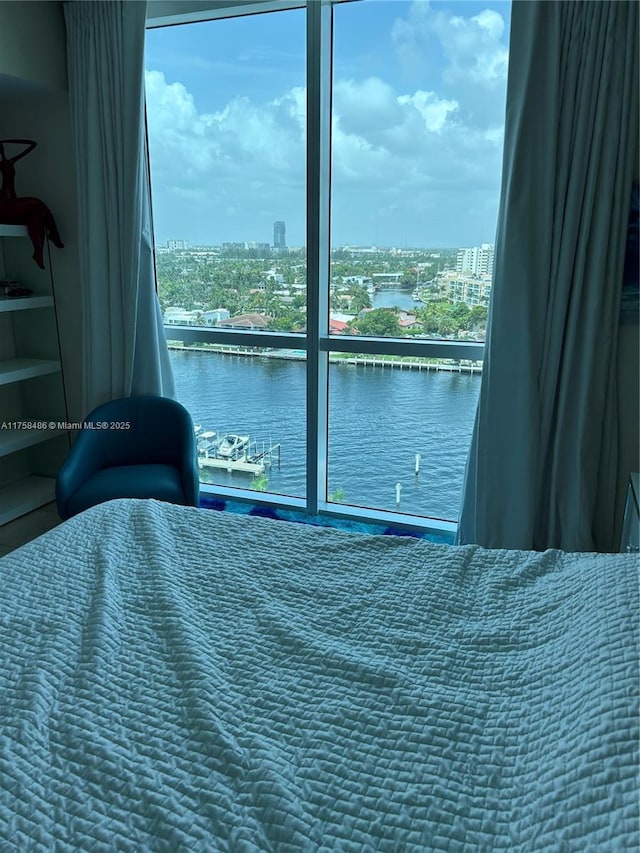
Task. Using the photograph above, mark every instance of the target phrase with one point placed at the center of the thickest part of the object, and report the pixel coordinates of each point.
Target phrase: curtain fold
(124, 346)
(543, 462)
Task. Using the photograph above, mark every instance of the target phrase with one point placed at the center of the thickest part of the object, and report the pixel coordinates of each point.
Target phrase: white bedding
(175, 679)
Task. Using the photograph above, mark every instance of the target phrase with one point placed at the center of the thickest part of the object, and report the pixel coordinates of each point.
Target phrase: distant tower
(279, 235)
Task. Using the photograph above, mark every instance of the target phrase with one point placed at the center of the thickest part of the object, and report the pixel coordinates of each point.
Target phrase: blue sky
(418, 115)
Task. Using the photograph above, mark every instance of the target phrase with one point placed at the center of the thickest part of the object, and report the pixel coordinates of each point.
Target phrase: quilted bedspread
(175, 679)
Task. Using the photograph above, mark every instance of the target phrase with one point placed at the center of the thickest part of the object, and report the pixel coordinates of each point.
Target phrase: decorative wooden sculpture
(27, 210)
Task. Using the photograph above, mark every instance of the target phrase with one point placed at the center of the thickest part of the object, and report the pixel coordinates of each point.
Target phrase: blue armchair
(154, 457)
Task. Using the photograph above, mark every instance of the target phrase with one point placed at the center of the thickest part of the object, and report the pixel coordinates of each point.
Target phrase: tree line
(239, 286)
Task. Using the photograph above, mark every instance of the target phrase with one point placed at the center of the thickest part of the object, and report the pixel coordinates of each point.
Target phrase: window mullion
(319, 23)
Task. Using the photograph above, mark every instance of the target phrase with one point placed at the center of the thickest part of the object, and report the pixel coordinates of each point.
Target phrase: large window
(325, 184)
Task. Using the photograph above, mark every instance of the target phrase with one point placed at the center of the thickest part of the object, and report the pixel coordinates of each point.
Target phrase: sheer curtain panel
(543, 462)
(124, 346)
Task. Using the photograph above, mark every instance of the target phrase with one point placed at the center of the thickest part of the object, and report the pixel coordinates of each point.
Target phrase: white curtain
(124, 346)
(543, 462)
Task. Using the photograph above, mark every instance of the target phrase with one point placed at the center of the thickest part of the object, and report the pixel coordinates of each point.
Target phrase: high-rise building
(279, 235)
(177, 245)
(477, 261)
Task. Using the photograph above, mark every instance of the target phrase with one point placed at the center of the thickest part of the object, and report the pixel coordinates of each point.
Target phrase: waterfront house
(246, 321)
(337, 327)
(409, 321)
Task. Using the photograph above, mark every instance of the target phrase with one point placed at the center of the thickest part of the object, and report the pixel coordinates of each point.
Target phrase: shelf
(25, 303)
(17, 369)
(25, 495)
(13, 231)
(12, 440)
(28, 335)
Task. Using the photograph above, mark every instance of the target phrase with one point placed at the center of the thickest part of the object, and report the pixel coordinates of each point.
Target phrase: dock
(252, 461)
(446, 365)
(395, 363)
(230, 465)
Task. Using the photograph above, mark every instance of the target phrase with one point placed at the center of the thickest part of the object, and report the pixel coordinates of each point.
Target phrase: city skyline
(418, 115)
(181, 244)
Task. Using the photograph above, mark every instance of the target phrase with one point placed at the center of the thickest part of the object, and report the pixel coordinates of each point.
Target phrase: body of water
(395, 299)
(379, 419)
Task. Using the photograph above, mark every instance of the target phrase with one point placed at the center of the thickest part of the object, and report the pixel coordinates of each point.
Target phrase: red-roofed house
(337, 327)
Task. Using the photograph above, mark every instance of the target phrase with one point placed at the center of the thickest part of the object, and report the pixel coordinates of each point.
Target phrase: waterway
(395, 299)
(379, 419)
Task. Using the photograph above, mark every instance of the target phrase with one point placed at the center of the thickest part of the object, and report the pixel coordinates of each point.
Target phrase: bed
(177, 679)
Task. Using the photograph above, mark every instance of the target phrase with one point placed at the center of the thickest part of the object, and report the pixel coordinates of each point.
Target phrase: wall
(32, 44)
(34, 104)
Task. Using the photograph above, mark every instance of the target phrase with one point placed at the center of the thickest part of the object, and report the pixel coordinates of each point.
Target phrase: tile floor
(27, 527)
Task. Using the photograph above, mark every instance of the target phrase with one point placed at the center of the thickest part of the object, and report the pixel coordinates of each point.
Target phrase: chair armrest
(190, 470)
(82, 462)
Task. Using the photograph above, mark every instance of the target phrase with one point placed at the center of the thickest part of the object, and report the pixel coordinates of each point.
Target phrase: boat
(207, 443)
(232, 445)
(416, 293)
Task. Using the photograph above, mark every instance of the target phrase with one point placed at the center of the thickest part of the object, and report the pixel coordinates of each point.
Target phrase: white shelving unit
(18, 369)
(17, 439)
(24, 495)
(29, 354)
(13, 231)
(25, 304)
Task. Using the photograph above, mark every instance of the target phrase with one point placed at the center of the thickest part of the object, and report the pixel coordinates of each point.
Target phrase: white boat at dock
(233, 452)
(207, 443)
(232, 446)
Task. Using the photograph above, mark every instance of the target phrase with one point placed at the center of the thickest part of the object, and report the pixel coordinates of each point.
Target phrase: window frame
(317, 343)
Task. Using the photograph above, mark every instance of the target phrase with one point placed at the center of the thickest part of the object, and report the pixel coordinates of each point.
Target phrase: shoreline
(361, 361)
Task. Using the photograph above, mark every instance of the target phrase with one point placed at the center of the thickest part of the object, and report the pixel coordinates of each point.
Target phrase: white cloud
(492, 22)
(402, 161)
(212, 173)
(434, 110)
(406, 167)
(495, 135)
(473, 47)
(377, 132)
(178, 131)
(366, 105)
(173, 105)
(474, 54)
